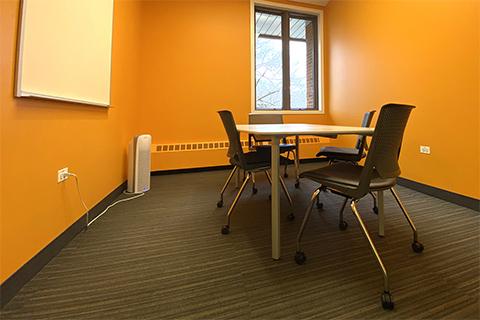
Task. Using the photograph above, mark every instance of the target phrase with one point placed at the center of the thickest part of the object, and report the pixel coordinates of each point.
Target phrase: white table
(278, 131)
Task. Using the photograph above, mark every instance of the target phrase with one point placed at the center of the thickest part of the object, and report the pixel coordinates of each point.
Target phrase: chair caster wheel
(225, 229)
(387, 301)
(220, 204)
(291, 217)
(297, 185)
(254, 190)
(300, 257)
(375, 210)
(343, 225)
(319, 205)
(417, 247)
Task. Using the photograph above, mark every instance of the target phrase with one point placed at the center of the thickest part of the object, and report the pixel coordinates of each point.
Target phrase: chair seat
(284, 147)
(257, 160)
(343, 154)
(344, 176)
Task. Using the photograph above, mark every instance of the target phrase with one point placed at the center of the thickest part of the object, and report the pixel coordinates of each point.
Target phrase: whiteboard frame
(19, 93)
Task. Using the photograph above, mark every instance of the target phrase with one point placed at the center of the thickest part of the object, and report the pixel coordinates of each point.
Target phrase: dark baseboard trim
(108, 200)
(215, 168)
(190, 170)
(15, 282)
(452, 197)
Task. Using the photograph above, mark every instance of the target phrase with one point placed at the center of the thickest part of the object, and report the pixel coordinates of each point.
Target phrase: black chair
(255, 142)
(335, 154)
(250, 162)
(353, 181)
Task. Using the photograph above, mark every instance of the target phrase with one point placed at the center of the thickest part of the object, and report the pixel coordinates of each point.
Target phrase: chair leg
(254, 189)
(230, 176)
(300, 257)
(291, 216)
(375, 208)
(342, 223)
(416, 246)
(285, 173)
(386, 297)
(226, 228)
(284, 187)
(319, 204)
(269, 181)
(268, 177)
(297, 162)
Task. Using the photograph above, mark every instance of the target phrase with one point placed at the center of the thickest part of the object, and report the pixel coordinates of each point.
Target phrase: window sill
(290, 112)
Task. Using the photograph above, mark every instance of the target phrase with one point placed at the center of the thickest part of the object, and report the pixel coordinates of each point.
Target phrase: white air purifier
(139, 164)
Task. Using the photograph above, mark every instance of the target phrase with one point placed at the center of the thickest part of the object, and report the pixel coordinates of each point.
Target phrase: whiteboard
(65, 50)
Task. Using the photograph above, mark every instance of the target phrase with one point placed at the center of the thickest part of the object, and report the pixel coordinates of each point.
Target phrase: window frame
(293, 11)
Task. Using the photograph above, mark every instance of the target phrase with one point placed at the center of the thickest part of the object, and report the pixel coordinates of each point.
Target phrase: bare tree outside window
(269, 71)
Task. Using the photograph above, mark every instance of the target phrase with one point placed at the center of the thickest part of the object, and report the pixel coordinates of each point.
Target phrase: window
(286, 61)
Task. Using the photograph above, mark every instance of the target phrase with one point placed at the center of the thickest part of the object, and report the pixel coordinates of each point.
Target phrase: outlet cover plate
(425, 149)
(61, 176)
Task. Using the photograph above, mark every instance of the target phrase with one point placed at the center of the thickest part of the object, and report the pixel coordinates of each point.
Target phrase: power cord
(79, 193)
(137, 195)
(88, 222)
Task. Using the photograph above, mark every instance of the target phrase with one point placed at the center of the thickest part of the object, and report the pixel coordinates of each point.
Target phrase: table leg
(297, 159)
(275, 198)
(381, 214)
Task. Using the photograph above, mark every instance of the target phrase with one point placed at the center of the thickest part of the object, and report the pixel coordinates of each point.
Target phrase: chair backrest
(362, 140)
(235, 150)
(386, 143)
(256, 118)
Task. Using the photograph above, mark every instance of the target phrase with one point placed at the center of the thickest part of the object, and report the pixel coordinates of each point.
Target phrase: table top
(292, 129)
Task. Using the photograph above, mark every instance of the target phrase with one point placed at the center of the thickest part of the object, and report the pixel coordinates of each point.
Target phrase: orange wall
(168, 59)
(424, 53)
(175, 63)
(40, 137)
(195, 60)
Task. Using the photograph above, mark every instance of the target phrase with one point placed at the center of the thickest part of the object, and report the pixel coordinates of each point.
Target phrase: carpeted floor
(162, 257)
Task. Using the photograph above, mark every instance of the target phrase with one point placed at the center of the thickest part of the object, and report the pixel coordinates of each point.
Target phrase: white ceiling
(319, 2)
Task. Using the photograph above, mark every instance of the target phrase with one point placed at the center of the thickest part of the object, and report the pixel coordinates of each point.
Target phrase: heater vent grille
(218, 145)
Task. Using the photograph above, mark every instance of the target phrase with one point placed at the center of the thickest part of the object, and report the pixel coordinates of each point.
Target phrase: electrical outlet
(425, 149)
(61, 175)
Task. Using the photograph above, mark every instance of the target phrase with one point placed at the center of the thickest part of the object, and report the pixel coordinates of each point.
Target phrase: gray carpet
(162, 257)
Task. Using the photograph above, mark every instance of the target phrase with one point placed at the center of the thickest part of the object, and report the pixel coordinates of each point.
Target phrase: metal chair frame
(239, 161)
(360, 145)
(273, 119)
(383, 159)
(249, 176)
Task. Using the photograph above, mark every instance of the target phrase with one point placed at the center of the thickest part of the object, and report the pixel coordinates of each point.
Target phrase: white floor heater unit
(139, 164)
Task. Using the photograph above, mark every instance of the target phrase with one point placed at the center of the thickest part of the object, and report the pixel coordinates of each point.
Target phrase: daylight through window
(286, 60)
